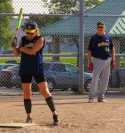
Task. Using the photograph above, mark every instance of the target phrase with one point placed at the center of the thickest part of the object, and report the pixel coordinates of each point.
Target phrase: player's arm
(112, 50)
(89, 57)
(113, 54)
(90, 51)
(90, 62)
(16, 51)
(37, 46)
(113, 62)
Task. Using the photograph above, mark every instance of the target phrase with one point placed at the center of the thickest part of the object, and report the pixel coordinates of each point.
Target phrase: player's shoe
(91, 100)
(101, 100)
(28, 120)
(55, 120)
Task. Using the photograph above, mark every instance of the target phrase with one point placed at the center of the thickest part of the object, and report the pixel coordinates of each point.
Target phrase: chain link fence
(62, 33)
(61, 50)
(115, 28)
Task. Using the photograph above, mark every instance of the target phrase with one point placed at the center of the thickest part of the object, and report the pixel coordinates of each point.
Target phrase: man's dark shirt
(101, 46)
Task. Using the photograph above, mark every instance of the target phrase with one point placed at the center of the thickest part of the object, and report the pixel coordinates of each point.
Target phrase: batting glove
(90, 67)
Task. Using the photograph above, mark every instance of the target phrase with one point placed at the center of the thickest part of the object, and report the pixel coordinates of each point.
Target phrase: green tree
(92, 3)
(5, 29)
(68, 6)
(45, 20)
(61, 6)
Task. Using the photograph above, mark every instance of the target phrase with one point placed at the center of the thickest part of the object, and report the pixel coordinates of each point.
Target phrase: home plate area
(16, 125)
(25, 128)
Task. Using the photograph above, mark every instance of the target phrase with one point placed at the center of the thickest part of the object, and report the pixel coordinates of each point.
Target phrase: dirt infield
(76, 115)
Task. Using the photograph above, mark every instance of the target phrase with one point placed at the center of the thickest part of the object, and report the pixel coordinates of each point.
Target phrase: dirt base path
(76, 115)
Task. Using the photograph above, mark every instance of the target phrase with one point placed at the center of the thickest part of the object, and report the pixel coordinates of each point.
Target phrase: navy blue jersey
(101, 46)
(31, 64)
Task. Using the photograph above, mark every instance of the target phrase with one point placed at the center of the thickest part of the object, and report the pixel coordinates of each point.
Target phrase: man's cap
(100, 23)
(30, 27)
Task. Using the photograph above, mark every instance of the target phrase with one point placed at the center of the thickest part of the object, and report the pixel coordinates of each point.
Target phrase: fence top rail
(36, 14)
(77, 14)
(104, 15)
(45, 55)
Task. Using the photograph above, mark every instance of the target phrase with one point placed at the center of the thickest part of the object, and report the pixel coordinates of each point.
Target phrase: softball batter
(31, 66)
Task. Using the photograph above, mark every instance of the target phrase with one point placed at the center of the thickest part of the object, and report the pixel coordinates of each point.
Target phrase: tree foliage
(5, 29)
(44, 20)
(92, 3)
(61, 7)
(68, 6)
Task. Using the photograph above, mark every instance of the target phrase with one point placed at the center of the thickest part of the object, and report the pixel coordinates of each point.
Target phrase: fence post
(81, 48)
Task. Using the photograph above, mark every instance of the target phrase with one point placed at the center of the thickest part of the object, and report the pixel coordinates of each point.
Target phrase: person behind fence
(31, 66)
(101, 54)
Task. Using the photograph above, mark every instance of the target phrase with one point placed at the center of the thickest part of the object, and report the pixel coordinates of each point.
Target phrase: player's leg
(104, 79)
(95, 79)
(43, 87)
(26, 85)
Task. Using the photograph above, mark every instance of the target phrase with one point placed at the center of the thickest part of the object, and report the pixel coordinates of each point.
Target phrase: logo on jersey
(29, 45)
(103, 44)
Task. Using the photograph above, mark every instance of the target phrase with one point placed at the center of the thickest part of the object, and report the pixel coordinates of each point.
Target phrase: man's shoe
(101, 100)
(91, 100)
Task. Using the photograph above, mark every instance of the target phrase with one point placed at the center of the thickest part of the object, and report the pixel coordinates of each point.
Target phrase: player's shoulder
(42, 38)
(94, 36)
(108, 36)
(39, 37)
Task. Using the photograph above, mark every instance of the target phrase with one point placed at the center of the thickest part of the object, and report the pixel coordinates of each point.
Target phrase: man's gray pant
(100, 78)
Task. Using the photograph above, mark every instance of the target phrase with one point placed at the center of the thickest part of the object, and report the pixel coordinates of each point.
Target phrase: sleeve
(90, 44)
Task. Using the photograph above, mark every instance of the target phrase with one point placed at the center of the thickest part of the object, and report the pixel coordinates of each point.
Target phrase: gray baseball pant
(101, 73)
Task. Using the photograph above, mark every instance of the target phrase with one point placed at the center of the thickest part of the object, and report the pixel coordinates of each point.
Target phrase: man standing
(101, 54)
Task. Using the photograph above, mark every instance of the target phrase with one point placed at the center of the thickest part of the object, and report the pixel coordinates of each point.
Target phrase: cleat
(55, 120)
(101, 100)
(91, 100)
(28, 120)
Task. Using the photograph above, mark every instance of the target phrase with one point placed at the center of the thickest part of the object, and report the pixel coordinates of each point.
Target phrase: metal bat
(19, 20)
(19, 30)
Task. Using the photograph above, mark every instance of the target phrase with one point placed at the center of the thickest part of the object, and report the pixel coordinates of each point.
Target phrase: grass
(122, 62)
(3, 60)
(70, 60)
(62, 52)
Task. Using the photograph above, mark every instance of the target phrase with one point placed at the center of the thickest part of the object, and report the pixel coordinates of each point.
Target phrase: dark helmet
(30, 27)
